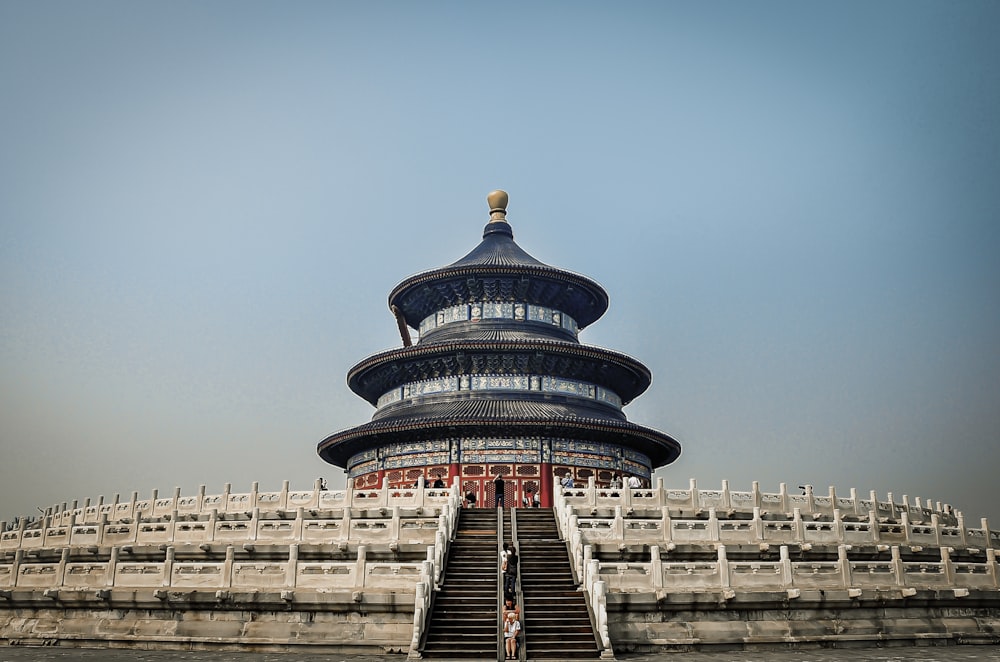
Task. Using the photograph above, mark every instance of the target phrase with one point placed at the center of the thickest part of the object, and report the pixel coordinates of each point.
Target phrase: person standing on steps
(511, 626)
(498, 491)
(510, 572)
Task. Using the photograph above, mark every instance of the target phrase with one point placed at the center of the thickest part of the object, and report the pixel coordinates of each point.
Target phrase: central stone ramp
(464, 623)
(556, 617)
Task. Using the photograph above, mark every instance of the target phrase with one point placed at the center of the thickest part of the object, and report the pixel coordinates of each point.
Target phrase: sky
(795, 209)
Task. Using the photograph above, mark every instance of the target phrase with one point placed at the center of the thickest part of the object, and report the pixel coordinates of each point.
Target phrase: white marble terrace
(684, 539)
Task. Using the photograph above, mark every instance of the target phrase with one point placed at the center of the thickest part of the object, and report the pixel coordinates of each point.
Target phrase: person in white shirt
(511, 626)
(634, 483)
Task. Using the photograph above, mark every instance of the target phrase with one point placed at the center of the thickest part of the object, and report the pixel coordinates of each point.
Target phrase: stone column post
(299, 525)
(345, 524)
(283, 499)
(292, 569)
(797, 526)
(394, 526)
(168, 567)
(666, 526)
(213, 519)
(758, 525)
(227, 567)
(723, 564)
(992, 568)
(786, 567)
(962, 531)
(656, 567)
(897, 566)
(359, 567)
(102, 524)
(845, 566)
(111, 573)
(949, 567)
(713, 525)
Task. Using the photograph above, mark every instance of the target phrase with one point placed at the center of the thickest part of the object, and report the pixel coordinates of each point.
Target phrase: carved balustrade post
(394, 525)
(656, 567)
(783, 494)
(992, 568)
(360, 574)
(713, 525)
(723, 563)
(897, 566)
(949, 566)
(213, 519)
(227, 567)
(726, 496)
(345, 524)
(758, 525)
(797, 526)
(292, 569)
(845, 566)
(666, 526)
(61, 572)
(283, 496)
(786, 567)
(168, 567)
(111, 572)
(962, 532)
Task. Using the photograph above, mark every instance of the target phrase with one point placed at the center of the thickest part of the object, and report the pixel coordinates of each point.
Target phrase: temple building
(498, 383)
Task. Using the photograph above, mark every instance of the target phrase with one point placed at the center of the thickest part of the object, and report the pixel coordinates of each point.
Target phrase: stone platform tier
(343, 570)
(686, 569)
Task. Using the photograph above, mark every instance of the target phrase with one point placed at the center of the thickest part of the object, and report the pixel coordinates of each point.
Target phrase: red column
(545, 485)
(455, 470)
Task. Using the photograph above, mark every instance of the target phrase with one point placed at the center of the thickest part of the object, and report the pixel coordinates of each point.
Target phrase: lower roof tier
(500, 419)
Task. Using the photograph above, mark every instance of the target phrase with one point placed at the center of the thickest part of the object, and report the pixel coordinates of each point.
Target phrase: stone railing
(792, 576)
(229, 502)
(686, 502)
(291, 516)
(211, 573)
(793, 529)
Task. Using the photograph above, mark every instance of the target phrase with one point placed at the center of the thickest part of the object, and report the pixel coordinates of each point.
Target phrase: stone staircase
(556, 619)
(464, 622)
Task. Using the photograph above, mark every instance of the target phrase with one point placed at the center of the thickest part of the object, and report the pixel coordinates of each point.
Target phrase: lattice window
(605, 476)
(584, 473)
(414, 474)
(529, 486)
(527, 470)
(372, 479)
(438, 472)
(473, 470)
(395, 476)
(502, 469)
(359, 482)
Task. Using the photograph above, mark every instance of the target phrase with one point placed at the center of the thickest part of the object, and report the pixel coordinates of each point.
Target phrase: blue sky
(794, 207)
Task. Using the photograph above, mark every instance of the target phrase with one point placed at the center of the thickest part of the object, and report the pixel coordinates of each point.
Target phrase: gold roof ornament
(498, 205)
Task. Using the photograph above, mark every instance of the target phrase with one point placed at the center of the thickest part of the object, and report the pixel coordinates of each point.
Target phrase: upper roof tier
(499, 270)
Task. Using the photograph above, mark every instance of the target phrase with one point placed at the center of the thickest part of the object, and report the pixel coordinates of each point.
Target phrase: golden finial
(498, 205)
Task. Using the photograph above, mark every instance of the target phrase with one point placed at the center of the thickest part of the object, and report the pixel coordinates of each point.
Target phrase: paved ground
(904, 654)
